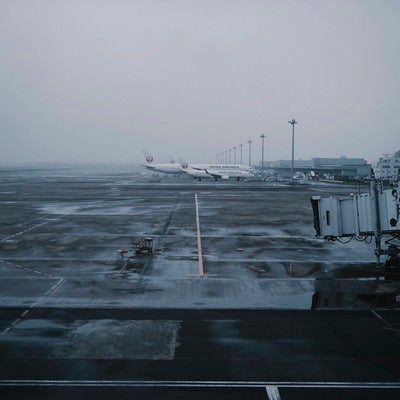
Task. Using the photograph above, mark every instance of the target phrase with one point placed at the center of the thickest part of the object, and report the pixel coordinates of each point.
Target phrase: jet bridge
(359, 216)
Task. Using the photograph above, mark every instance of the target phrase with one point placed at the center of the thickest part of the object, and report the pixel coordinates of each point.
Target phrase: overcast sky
(99, 81)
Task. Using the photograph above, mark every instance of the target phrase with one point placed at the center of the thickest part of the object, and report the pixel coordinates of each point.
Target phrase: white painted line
(387, 324)
(28, 229)
(273, 392)
(224, 384)
(199, 249)
(377, 315)
(17, 266)
(51, 291)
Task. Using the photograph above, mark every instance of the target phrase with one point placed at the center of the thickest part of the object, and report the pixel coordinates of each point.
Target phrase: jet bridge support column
(377, 224)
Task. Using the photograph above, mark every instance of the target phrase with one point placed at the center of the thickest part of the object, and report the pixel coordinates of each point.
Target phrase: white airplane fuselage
(171, 168)
(219, 171)
(200, 171)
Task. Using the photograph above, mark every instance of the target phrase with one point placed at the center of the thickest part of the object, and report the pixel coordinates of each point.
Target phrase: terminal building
(388, 167)
(334, 168)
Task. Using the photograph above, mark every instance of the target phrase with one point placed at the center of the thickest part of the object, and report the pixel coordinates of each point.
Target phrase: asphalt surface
(50, 351)
(280, 313)
(61, 229)
(221, 352)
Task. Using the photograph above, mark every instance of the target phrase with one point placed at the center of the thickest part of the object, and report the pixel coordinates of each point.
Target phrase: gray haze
(98, 81)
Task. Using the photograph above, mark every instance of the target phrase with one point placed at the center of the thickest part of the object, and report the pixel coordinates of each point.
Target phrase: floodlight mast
(249, 142)
(262, 136)
(292, 122)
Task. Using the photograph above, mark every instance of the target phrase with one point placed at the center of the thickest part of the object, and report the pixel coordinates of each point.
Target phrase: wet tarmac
(70, 302)
(61, 231)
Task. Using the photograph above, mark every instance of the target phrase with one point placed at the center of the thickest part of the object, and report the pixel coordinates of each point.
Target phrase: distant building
(388, 166)
(342, 167)
(288, 163)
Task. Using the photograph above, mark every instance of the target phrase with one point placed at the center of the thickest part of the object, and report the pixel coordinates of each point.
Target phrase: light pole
(226, 156)
(292, 122)
(241, 152)
(230, 156)
(249, 142)
(262, 136)
(234, 154)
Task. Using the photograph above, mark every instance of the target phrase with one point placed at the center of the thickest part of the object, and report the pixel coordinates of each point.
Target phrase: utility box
(144, 245)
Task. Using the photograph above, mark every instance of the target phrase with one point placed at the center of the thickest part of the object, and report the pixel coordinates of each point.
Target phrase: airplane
(200, 171)
(166, 168)
(219, 171)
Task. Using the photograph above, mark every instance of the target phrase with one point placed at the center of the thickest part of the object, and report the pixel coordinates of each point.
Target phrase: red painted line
(199, 249)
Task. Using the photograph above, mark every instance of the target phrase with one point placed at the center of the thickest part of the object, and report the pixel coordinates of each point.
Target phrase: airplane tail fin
(149, 158)
(183, 163)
